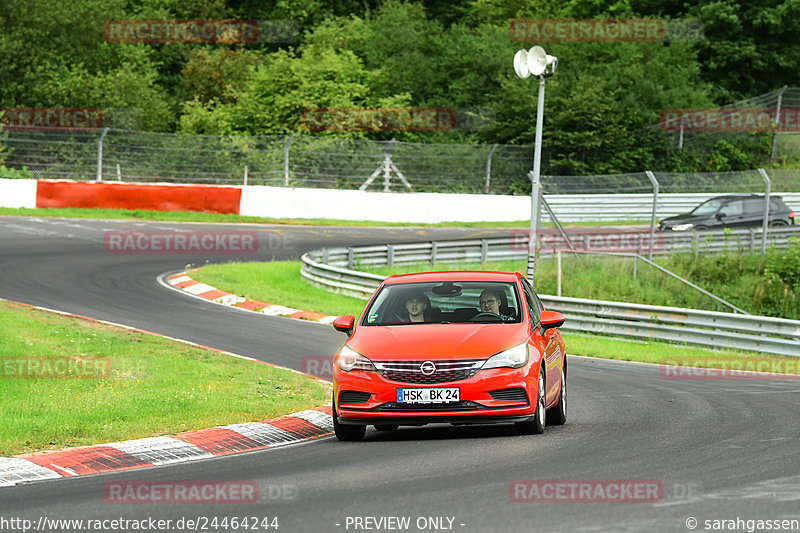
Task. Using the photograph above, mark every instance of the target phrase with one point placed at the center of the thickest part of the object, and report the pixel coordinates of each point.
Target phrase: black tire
(386, 427)
(537, 425)
(701, 228)
(346, 432)
(557, 415)
(778, 224)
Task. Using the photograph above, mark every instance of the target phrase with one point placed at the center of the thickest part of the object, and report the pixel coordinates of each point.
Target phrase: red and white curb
(155, 451)
(185, 283)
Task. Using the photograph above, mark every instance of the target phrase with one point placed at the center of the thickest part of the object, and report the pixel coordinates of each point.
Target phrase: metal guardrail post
(100, 155)
(489, 168)
(558, 273)
(654, 182)
(390, 255)
(774, 151)
(351, 258)
(434, 252)
(484, 251)
(286, 160)
(536, 209)
(766, 209)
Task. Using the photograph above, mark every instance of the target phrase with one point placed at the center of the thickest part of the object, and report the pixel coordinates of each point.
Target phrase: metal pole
(680, 139)
(489, 169)
(766, 210)
(558, 270)
(654, 181)
(777, 124)
(536, 205)
(286, 161)
(100, 155)
(245, 175)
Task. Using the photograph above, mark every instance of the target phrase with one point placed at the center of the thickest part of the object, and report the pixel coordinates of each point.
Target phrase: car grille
(394, 407)
(410, 371)
(517, 394)
(351, 396)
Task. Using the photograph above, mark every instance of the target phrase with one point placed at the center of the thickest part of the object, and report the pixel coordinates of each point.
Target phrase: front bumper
(476, 406)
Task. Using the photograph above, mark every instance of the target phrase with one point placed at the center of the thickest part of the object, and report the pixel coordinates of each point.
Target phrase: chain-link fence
(761, 128)
(278, 160)
(328, 162)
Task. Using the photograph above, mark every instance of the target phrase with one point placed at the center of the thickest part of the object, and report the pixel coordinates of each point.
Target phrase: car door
(732, 214)
(547, 343)
(753, 212)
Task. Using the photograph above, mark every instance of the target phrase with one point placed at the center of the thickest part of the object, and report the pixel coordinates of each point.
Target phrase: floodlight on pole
(538, 63)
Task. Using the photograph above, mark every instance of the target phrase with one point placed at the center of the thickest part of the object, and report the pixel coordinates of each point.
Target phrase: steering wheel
(485, 315)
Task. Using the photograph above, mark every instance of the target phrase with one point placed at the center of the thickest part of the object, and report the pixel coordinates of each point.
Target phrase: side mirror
(720, 215)
(551, 319)
(344, 324)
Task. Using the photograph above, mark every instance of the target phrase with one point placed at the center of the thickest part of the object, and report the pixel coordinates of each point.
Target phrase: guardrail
(334, 270)
(515, 246)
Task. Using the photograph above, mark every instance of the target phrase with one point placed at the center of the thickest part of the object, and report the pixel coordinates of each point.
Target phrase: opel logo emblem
(427, 368)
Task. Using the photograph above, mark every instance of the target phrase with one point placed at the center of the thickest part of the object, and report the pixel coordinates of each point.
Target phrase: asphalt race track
(719, 449)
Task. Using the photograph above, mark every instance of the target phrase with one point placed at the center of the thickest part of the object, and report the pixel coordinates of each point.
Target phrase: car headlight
(513, 358)
(682, 227)
(350, 360)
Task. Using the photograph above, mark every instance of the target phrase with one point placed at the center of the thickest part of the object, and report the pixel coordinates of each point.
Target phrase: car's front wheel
(346, 432)
(535, 426)
(557, 415)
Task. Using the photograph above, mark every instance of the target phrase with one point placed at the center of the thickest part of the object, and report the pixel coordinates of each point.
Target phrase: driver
(490, 301)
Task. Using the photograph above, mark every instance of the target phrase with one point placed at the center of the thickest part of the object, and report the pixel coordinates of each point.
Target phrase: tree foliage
(600, 107)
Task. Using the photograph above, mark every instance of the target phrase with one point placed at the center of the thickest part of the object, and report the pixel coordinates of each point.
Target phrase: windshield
(707, 208)
(444, 303)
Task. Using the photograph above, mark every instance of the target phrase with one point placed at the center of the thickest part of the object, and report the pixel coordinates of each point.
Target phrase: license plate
(428, 395)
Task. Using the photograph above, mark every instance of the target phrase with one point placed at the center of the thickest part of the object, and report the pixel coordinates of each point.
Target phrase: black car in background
(732, 211)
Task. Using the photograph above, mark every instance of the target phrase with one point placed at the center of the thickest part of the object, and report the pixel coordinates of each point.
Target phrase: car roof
(741, 196)
(454, 275)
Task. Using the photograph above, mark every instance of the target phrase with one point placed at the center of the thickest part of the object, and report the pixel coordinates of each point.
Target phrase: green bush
(13, 173)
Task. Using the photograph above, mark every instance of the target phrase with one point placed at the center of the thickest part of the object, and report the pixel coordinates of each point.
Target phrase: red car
(450, 347)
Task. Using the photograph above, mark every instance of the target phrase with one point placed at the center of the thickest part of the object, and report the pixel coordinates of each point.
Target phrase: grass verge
(184, 216)
(280, 282)
(125, 385)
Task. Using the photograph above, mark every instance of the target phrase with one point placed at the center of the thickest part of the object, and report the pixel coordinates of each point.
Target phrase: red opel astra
(450, 347)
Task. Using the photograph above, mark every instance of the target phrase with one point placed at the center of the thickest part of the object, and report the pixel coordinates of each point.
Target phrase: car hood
(436, 341)
(686, 218)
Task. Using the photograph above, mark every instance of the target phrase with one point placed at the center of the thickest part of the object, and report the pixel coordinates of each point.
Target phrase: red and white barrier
(267, 202)
(150, 197)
